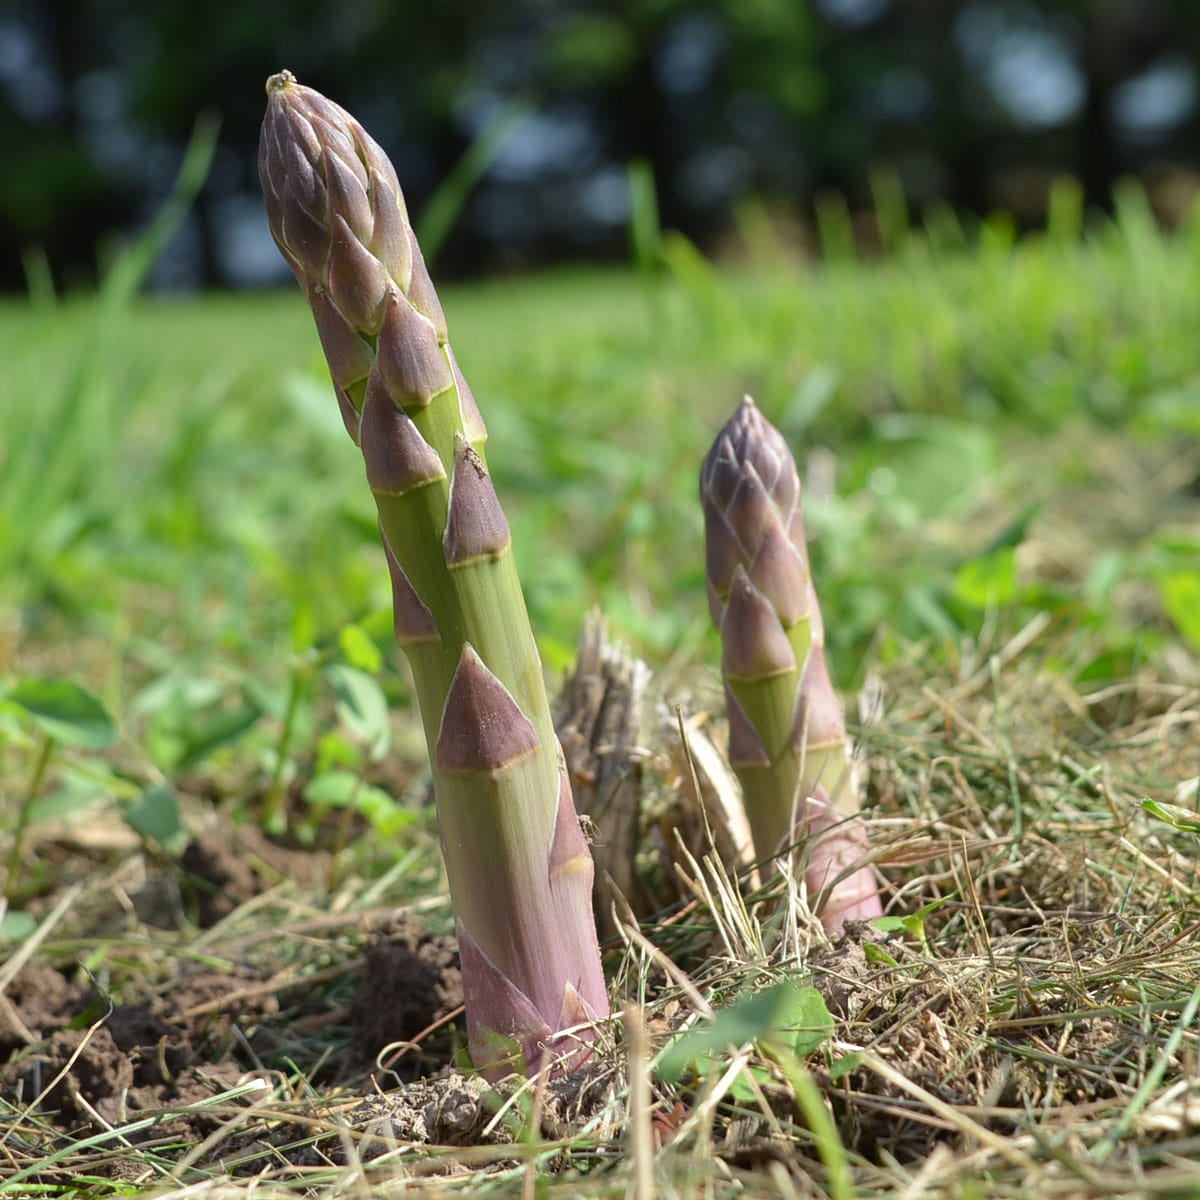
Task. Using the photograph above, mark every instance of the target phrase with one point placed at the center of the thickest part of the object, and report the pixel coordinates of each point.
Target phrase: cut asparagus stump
(519, 867)
(787, 736)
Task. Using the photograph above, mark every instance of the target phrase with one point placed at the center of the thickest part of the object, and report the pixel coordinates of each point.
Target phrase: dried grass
(1041, 1040)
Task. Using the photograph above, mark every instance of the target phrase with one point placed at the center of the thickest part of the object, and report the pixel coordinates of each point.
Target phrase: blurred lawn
(987, 427)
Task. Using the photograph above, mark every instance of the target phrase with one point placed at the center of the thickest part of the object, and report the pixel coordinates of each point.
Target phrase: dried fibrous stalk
(787, 735)
(519, 867)
(598, 717)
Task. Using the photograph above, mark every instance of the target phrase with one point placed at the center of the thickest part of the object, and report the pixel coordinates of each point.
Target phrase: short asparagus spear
(519, 867)
(787, 737)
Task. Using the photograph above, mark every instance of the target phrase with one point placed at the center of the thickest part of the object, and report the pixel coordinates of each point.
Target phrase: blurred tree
(976, 102)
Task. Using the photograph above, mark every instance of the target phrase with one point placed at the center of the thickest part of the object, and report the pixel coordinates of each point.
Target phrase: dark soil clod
(410, 981)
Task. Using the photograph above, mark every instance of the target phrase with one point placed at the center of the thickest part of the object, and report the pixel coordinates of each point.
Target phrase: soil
(74, 1061)
(222, 870)
(459, 1110)
(93, 1059)
(410, 981)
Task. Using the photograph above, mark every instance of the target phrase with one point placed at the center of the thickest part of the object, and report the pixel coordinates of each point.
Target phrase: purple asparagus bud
(787, 737)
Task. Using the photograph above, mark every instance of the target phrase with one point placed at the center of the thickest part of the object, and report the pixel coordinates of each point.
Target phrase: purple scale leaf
(358, 284)
(474, 430)
(410, 359)
(819, 718)
(348, 355)
(838, 855)
(746, 748)
(780, 573)
(303, 234)
(397, 458)
(482, 728)
(421, 292)
(412, 621)
(476, 527)
(348, 197)
(351, 417)
(755, 644)
(389, 237)
(499, 1014)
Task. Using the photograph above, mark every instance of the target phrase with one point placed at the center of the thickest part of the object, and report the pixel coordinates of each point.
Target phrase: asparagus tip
(279, 81)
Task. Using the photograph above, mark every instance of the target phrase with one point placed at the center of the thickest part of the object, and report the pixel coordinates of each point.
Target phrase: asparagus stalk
(787, 735)
(519, 867)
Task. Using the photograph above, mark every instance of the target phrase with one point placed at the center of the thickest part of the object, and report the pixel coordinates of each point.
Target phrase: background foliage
(977, 103)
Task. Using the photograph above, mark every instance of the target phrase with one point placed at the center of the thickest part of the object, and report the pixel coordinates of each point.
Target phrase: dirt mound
(410, 981)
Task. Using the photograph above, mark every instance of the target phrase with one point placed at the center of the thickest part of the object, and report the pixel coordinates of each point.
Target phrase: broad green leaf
(66, 712)
(154, 815)
(989, 581)
(336, 789)
(1016, 531)
(921, 599)
(192, 716)
(335, 751)
(816, 390)
(359, 650)
(362, 707)
(940, 463)
(1180, 595)
(741, 1089)
(178, 691)
(378, 626)
(304, 628)
(804, 1022)
(16, 926)
(913, 923)
(209, 732)
(339, 789)
(1105, 573)
(786, 1016)
(844, 1065)
(873, 952)
(71, 795)
(1174, 410)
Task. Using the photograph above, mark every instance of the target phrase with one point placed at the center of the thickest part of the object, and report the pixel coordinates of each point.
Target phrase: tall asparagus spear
(519, 867)
(787, 736)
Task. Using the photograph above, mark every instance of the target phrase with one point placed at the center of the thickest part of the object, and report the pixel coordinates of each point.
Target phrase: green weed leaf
(362, 707)
(359, 651)
(342, 789)
(66, 712)
(1180, 595)
(786, 1017)
(72, 795)
(912, 923)
(989, 581)
(873, 952)
(212, 731)
(844, 1065)
(154, 815)
(16, 926)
